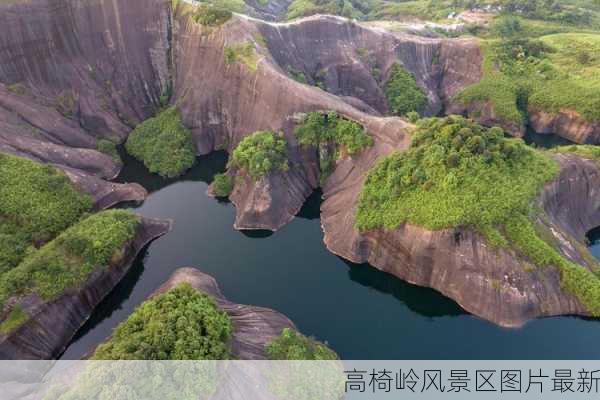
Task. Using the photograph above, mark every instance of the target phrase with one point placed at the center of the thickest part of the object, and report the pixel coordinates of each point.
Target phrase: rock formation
(253, 327)
(53, 324)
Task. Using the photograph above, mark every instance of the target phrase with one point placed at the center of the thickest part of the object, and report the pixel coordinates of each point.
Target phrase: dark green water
(362, 313)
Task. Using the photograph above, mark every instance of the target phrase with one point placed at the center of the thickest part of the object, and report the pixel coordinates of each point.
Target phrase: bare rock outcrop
(568, 124)
(253, 327)
(52, 325)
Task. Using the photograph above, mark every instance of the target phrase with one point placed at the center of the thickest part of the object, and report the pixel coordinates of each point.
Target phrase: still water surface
(362, 313)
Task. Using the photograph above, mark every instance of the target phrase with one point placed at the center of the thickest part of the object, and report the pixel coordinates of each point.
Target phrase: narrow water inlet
(361, 312)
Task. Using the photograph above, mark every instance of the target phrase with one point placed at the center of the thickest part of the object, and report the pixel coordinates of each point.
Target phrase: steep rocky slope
(53, 324)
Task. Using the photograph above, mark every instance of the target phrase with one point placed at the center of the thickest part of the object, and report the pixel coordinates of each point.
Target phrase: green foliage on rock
(37, 202)
(552, 74)
(210, 15)
(15, 319)
(317, 128)
(583, 150)
(402, 92)
(357, 9)
(180, 324)
(67, 261)
(109, 148)
(163, 144)
(456, 173)
(459, 174)
(261, 153)
(223, 185)
(291, 345)
(244, 53)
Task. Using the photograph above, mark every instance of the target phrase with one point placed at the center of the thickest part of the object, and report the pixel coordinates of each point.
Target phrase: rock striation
(53, 324)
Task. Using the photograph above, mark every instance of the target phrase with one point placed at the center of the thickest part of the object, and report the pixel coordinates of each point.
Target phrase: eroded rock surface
(53, 324)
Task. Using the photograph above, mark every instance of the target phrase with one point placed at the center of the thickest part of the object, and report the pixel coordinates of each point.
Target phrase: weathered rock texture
(568, 124)
(53, 324)
(498, 285)
(253, 327)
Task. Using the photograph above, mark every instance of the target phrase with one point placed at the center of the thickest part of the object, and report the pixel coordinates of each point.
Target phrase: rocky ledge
(253, 327)
(52, 325)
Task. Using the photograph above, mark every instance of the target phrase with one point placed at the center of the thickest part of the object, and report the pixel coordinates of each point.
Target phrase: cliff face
(568, 124)
(497, 285)
(53, 324)
(253, 327)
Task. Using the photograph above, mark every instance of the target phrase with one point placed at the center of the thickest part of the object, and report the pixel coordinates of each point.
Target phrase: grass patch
(402, 92)
(583, 150)
(67, 261)
(223, 185)
(244, 53)
(180, 324)
(211, 16)
(291, 345)
(556, 73)
(260, 154)
(357, 9)
(163, 144)
(15, 319)
(109, 148)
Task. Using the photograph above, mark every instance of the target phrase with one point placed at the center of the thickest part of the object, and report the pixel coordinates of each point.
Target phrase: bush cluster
(261, 153)
(402, 92)
(223, 185)
(317, 128)
(291, 345)
(163, 144)
(210, 15)
(180, 324)
(109, 148)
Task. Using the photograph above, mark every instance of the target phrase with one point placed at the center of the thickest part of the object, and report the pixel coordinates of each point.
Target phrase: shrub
(317, 128)
(180, 324)
(68, 260)
(223, 185)
(209, 15)
(109, 148)
(163, 144)
(402, 92)
(15, 319)
(413, 116)
(244, 53)
(291, 345)
(261, 153)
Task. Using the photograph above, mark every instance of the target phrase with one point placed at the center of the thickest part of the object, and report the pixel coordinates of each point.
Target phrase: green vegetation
(180, 324)
(68, 260)
(457, 173)
(357, 9)
(163, 144)
(110, 148)
(585, 151)
(317, 128)
(296, 75)
(323, 130)
(402, 92)
(291, 345)
(261, 153)
(223, 185)
(65, 104)
(210, 15)
(553, 73)
(37, 202)
(15, 319)
(244, 53)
